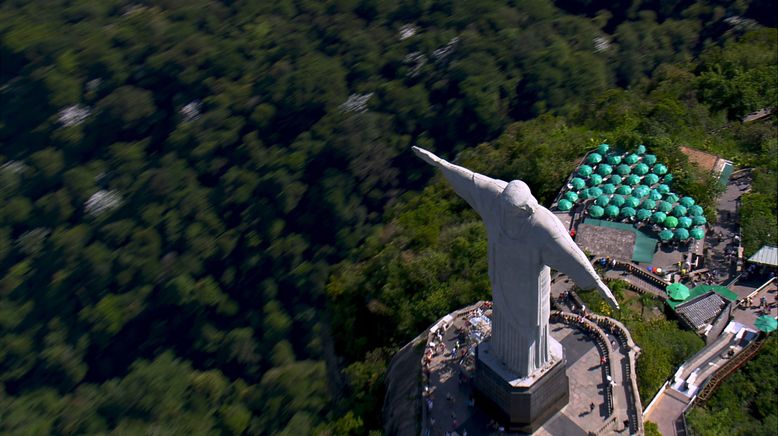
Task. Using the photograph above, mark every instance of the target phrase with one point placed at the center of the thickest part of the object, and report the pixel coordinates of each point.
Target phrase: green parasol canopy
(641, 191)
(660, 169)
(596, 211)
(632, 180)
(671, 222)
(631, 202)
(651, 179)
(594, 158)
(624, 190)
(578, 183)
(655, 195)
(681, 234)
(612, 211)
(565, 204)
(671, 198)
(679, 211)
(684, 222)
(766, 323)
(648, 204)
(678, 292)
(602, 200)
(615, 179)
(643, 214)
(614, 159)
(623, 169)
(603, 148)
(585, 171)
(668, 178)
(695, 210)
(687, 201)
(649, 159)
(608, 188)
(604, 169)
(585, 194)
(664, 206)
(595, 192)
(640, 169)
(571, 196)
(699, 220)
(641, 149)
(617, 200)
(658, 217)
(666, 235)
(664, 189)
(595, 180)
(632, 159)
(627, 212)
(697, 233)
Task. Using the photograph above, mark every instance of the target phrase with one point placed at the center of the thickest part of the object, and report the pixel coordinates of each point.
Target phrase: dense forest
(211, 221)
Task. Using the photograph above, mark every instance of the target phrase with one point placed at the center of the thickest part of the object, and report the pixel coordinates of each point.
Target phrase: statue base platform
(520, 404)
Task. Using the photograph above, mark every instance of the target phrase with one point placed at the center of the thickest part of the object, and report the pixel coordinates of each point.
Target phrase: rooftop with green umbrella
(695, 210)
(684, 222)
(578, 183)
(632, 159)
(594, 158)
(641, 149)
(571, 196)
(671, 222)
(666, 235)
(659, 169)
(664, 189)
(596, 211)
(611, 211)
(632, 180)
(614, 159)
(615, 179)
(640, 169)
(651, 179)
(679, 211)
(681, 234)
(664, 206)
(678, 291)
(603, 148)
(595, 192)
(585, 170)
(608, 188)
(624, 190)
(595, 180)
(667, 178)
(602, 200)
(631, 201)
(643, 214)
(699, 220)
(655, 195)
(623, 169)
(564, 204)
(649, 159)
(604, 169)
(648, 204)
(617, 200)
(766, 323)
(697, 233)
(687, 202)
(659, 218)
(627, 212)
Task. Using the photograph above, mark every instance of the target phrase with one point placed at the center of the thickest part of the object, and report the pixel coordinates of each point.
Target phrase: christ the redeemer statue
(525, 239)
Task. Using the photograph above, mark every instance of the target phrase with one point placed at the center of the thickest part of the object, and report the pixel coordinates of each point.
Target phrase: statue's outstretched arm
(563, 254)
(478, 190)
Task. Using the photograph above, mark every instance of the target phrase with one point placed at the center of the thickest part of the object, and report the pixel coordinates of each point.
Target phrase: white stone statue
(525, 239)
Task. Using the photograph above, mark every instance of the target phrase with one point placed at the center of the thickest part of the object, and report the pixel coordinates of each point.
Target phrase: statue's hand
(606, 293)
(426, 156)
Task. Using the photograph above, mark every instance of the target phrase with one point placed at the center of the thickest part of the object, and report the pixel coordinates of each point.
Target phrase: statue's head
(517, 200)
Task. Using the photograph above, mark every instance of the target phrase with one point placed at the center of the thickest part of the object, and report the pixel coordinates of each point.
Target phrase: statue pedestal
(520, 404)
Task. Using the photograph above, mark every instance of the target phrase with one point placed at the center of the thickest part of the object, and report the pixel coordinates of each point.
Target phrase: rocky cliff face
(402, 404)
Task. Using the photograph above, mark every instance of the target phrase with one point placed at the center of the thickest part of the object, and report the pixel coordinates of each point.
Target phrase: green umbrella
(679, 211)
(678, 292)
(595, 180)
(615, 179)
(632, 159)
(617, 200)
(578, 183)
(766, 323)
(612, 211)
(571, 196)
(627, 212)
(603, 148)
(631, 202)
(666, 235)
(664, 206)
(608, 188)
(684, 222)
(594, 158)
(604, 169)
(649, 159)
(658, 217)
(695, 210)
(643, 214)
(602, 200)
(640, 169)
(687, 201)
(623, 169)
(671, 198)
(614, 159)
(655, 195)
(699, 220)
(585, 171)
(624, 190)
(671, 222)
(648, 204)
(595, 192)
(697, 233)
(564, 204)
(596, 211)
(632, 180)
(651, 179)
(681, 234)
(641, 149)
(668, 178)
(660, 169)
(585, 194)
(664, 189)
(641, 191)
